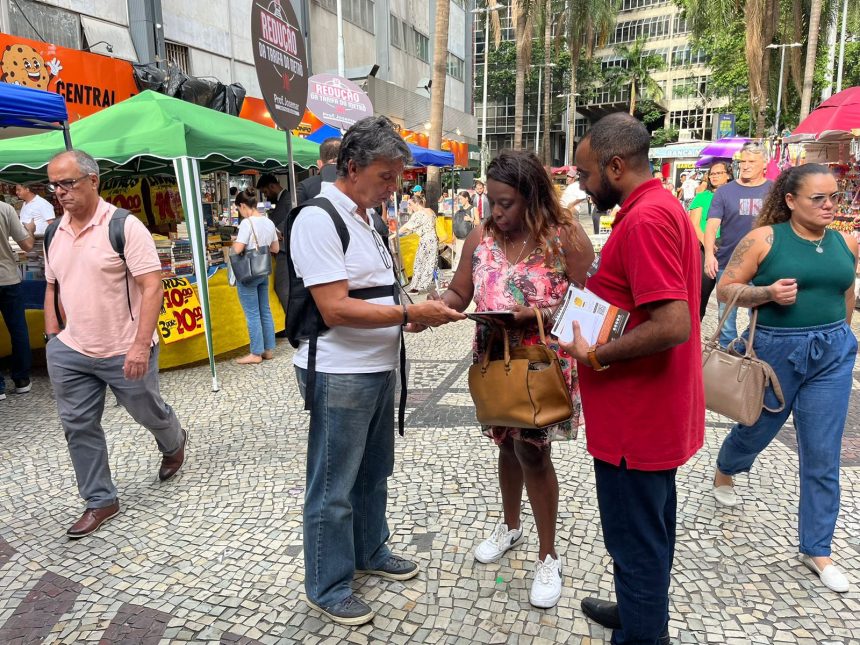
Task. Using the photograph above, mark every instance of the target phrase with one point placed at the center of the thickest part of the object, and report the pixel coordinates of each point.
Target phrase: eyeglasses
(381, 248)
(818, 200)
(65, 184)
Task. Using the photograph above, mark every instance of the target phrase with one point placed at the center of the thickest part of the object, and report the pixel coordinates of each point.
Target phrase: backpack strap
(49, 236)
(116, 235)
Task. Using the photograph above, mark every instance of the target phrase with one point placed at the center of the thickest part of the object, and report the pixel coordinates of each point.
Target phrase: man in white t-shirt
(351, 440)
(36, 213)
(687, 191)
(574, 198)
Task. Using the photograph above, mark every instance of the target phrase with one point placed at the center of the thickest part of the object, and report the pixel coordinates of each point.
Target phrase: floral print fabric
(499, 286)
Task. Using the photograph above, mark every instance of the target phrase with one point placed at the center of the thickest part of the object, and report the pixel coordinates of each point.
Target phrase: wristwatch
(592, 360)
(48, 337)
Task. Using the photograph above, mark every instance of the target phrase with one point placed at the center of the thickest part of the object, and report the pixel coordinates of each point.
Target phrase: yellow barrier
(229, 331)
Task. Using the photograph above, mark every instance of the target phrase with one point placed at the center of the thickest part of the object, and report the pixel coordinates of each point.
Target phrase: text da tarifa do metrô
(280, 44)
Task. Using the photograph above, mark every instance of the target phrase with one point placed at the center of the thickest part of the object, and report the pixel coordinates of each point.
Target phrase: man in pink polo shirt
(642, 394)
(111, 309)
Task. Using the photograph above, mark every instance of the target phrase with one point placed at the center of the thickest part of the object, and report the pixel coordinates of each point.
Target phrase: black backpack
(116, 235)
(303, 318)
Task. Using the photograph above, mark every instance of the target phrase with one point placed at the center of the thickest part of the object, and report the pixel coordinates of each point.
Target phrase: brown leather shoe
(91, 520)
(170, 464)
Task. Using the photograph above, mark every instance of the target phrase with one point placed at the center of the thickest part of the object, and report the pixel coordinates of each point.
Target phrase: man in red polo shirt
(642, 394)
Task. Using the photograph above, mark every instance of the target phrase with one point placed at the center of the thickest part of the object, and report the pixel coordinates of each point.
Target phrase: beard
(607, 197)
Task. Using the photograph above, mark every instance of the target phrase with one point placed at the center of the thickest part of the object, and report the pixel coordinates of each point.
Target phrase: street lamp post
(540, 93)
(567, 123)
(484, 148)
(781, 68)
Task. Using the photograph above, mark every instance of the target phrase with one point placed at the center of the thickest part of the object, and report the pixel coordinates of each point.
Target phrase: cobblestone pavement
(215, 555)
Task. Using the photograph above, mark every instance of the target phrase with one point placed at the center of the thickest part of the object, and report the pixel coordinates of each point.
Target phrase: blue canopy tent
(426, 157)
(26, 107)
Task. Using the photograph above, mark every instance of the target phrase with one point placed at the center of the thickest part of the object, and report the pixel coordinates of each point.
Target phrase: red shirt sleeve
(654, 262)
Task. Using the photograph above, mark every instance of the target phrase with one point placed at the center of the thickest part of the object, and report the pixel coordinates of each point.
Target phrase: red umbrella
(835, 118)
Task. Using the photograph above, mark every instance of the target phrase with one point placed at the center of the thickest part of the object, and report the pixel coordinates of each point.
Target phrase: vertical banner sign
(181, 315)
(279, 56)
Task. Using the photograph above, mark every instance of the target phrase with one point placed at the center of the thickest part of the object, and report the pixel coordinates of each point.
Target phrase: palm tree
(547, 18)
(522, 11)
(437, 95)
(811, 49)
(635, 72)
(588, 24)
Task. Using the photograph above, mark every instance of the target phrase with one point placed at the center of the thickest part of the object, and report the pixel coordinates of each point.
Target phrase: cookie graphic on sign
(23, 65)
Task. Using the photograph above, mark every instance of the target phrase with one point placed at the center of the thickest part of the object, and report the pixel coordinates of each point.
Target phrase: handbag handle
(732, 304)
(485, 363)
(254, 233)
(539, 318)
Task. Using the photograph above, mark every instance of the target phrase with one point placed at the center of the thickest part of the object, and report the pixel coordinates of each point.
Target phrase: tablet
(492, 317)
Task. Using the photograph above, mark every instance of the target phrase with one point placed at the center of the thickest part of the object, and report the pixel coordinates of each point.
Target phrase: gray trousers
(80, 383)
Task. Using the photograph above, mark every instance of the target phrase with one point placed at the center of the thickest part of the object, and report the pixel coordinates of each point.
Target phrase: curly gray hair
(372, 138)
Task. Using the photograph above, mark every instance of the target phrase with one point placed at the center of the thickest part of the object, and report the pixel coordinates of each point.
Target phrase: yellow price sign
(181, 315)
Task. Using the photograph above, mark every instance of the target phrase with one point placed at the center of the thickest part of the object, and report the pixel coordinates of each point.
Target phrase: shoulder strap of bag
(49, 236)
(116, 236)
(771, 377)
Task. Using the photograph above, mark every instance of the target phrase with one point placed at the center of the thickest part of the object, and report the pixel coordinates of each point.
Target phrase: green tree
(634, 74)
(587, 26)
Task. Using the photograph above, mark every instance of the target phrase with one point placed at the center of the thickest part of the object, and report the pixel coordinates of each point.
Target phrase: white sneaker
(831, 575)
(494, 547)
(546, 588)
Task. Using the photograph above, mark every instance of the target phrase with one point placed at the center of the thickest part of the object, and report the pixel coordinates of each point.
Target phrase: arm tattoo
(740, 251)
(769, 240)
(749, 296)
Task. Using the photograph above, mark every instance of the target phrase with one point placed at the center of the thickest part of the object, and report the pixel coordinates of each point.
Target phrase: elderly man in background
(111, 309)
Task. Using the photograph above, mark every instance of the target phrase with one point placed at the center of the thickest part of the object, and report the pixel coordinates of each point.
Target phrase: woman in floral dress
(524, 256)
(423, 223)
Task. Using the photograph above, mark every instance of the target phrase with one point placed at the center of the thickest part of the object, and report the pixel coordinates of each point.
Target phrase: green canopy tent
(153, 134)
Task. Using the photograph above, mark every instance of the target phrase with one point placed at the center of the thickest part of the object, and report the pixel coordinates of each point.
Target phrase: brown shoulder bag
(525, 389)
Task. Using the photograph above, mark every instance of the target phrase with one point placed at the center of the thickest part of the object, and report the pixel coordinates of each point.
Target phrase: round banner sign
(337, 101)
(279, 56)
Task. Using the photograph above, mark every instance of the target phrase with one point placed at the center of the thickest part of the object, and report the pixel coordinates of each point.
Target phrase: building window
(456, 67)
(630, 5)
(395, 34)
(681, 26)
(358, 12)
(685, 56)
(177, 56)
(421, 44)
(630, 30)
(39, 21)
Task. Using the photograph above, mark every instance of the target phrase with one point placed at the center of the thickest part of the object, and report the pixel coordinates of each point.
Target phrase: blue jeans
(350, 457)
(814, 367)
(637, 514)
(729, 330)
(12, 310)
(254, 297)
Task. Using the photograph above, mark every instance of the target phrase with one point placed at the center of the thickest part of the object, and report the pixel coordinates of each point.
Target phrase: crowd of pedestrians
(520, 246)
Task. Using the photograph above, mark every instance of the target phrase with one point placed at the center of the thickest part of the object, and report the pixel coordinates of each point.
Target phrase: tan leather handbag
(525, 389)
(735, 384)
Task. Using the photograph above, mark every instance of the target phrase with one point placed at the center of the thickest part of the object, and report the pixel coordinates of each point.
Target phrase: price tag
(181, 315)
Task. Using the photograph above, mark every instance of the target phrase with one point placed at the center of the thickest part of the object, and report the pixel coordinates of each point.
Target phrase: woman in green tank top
(800, 276)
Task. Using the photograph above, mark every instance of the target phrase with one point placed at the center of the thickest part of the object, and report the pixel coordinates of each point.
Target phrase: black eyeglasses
(65, 184)
(381, 248)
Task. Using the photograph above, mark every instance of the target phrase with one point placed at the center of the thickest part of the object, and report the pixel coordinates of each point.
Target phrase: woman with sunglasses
(719, 174)
(800, 276)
